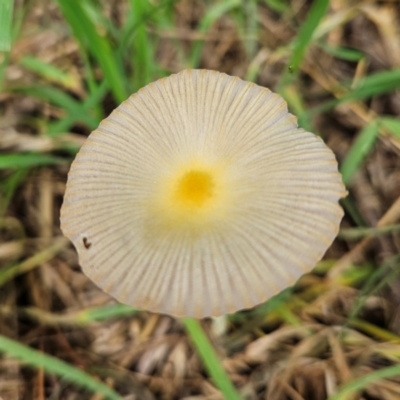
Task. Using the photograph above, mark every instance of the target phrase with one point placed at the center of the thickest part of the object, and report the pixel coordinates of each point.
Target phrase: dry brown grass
(302, 350)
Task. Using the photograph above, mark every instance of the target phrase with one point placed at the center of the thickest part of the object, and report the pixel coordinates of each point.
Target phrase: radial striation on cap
(199, 196)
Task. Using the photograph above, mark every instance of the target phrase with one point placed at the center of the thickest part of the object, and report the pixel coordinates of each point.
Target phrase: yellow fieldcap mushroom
(200, 196)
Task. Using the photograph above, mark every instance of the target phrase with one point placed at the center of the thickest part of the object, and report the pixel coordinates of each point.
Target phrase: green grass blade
(60, 126)
(63, 100)
(303, 39)
(92, 103)
(304, 36)
(162, 14)
(343, 53)
(385, 78)
(102, 313)
(297, 106)
(96, 96)
(251, 26)
(358, 151)
(143, 60)
(287, 315)
(8, 187)
(95, 12)
(48, 71)
(55, 366)
(215, 12)
(351, 208)
(24, 160)
(372, 85)
(4, 60)
(271, 306)
(391, 124)
(88, 36)
(278, 6)
(17, 19)
(6, 12)
(210, 359)
(346, 392)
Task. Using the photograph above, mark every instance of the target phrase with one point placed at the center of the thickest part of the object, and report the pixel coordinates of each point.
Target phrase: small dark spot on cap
(86, 242)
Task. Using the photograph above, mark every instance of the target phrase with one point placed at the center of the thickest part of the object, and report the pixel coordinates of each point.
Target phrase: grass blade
(49, 72)
(391, 124)
(95, 13)
(210, 359)
(297, 106)
(161, 14)
(372, 85)
(86, 33)
(6, 12)
(55, 366)
(8, 186)
(343, 53)
(143, 53)
(91, 103)
(251, 25)
(104, 313)
(303, 39)
(60, 126)
(358, 151)
(16, 22)
(215, 12)
(358, 384)
(24, 160)
(278, 6)
(351, 208)
(63, 100)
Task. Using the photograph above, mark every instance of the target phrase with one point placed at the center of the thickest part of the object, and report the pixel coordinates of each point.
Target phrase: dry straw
(200, 196)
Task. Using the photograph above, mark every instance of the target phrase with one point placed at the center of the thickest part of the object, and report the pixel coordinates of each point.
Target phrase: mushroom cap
(199, 196)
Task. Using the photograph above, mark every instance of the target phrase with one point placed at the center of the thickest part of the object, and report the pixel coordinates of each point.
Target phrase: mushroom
(200, 196)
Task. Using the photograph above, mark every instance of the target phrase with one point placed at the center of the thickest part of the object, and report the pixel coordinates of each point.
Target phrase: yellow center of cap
(191, 198)
(195, 188)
